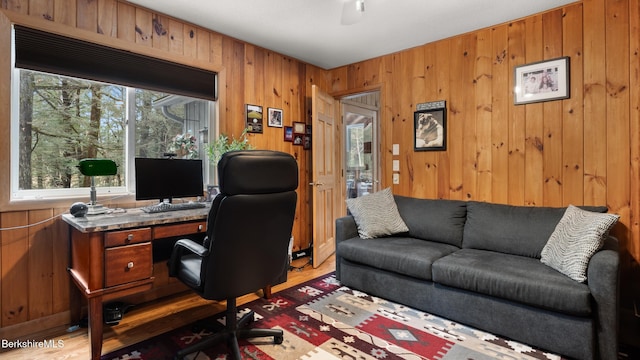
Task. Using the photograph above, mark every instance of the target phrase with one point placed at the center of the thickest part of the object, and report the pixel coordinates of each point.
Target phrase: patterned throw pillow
(376, 214)
(578, 236)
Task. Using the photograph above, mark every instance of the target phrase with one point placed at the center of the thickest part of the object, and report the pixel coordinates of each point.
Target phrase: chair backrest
(250, 222)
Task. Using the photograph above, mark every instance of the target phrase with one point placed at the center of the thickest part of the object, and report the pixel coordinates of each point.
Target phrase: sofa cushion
(578, 236)
(512, 277)
(403, 255)
(376, 214)
(518, 230)
(434, 219)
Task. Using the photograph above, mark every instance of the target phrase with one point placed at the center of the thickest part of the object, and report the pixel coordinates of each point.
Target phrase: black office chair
(248, 232)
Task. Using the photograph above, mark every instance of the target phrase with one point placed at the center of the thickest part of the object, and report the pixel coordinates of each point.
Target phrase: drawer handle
(130, 237)
(200, 227)
(130, 265)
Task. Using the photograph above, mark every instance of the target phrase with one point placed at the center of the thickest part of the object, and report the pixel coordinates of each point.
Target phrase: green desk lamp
(93, 168)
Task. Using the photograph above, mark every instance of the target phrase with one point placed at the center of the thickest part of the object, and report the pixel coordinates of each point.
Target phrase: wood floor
(147, 320)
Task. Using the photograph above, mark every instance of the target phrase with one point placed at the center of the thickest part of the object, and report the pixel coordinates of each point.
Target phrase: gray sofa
(479, 264)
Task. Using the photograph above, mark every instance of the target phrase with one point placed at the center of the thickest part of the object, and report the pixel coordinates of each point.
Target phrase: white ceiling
(311, 30)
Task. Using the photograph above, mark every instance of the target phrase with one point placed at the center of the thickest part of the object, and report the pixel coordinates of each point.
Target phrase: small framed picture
(275, 117)
(298, 139)
(542, 81)
(288, 133)
(299, 127)
(254, 119)
(306, 142)
(430, 129)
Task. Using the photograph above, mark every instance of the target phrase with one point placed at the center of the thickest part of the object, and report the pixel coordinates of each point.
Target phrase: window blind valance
(42, 51)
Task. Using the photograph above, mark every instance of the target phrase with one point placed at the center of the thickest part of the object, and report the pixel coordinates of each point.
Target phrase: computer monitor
(166, 179)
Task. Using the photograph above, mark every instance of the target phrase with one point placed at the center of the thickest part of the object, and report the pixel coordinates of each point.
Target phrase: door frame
(346, 105)
(384, 138)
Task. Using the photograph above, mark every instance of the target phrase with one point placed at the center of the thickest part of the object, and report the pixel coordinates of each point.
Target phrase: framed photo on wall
(299, 127)
(542, 81)
(430, 129)
(274, 117)
(254, 119)
(288, 133)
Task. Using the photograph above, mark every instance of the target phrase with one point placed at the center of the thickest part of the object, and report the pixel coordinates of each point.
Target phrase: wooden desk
(111, 256)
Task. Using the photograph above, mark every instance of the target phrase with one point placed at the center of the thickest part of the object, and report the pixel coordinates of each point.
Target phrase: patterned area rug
(323, 320)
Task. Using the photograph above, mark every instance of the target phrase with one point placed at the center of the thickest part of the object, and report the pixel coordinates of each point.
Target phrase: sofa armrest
(603, 280)
(346, 228)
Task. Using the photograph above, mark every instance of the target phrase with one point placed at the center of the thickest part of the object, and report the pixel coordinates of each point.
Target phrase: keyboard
(164, 207)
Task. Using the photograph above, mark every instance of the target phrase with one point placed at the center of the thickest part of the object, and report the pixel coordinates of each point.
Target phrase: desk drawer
(127, 263)
(166, 231)
(127, 237)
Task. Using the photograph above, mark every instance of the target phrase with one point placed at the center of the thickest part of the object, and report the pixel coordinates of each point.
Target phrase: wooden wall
(583, 150)
(34, 291)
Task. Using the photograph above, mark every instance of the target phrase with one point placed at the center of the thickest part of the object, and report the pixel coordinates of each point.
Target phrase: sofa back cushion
(518, 230)
(433, 219)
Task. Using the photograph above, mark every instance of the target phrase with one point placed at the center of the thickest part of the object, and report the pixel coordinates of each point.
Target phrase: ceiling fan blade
(352, 11)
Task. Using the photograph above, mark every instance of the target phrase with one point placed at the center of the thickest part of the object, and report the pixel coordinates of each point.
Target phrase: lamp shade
(97, 167)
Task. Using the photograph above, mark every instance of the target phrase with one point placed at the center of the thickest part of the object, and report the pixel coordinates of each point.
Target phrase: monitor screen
(165, 179)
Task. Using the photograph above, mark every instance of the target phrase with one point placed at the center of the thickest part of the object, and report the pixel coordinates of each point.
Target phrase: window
(60, 117)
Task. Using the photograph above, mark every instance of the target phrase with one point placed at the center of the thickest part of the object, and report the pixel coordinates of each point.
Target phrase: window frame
(7, 21)
(127, 170)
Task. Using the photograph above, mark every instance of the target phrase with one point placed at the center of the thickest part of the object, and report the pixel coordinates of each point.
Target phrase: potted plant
(185, 146)
(224, 144)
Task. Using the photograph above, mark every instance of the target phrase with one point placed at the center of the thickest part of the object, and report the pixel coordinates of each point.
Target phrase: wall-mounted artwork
(254, 119)
(299, 130)
(430, 125)
(299, 127)
(306, 141)
(542, 81)
(288, 133)
(275, 117)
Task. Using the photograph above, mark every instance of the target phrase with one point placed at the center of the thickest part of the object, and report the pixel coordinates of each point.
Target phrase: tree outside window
(62, 120)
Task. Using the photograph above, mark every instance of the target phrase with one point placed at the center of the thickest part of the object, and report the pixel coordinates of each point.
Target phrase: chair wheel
(278, 339)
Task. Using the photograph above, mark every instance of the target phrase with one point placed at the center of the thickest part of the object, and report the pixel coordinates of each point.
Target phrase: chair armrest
(603, 280)
(184, 247)
(346, 228)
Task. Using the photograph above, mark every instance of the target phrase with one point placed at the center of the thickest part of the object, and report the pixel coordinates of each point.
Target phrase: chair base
(232, 332)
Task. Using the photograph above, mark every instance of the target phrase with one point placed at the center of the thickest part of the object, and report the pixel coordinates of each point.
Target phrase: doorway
(361, 143)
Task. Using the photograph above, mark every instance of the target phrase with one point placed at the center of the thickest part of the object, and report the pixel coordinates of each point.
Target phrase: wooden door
(323, 174)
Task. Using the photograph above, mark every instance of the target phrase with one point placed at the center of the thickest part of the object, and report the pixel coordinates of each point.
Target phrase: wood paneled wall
(35, 286)
(583, 150)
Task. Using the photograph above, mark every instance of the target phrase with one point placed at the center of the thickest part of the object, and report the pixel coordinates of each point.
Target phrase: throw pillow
(578, 236)
(376, 214)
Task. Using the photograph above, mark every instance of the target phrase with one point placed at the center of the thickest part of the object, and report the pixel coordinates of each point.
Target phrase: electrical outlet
(396, 179)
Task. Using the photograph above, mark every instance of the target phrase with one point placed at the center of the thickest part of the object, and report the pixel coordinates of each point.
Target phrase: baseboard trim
(38, 328)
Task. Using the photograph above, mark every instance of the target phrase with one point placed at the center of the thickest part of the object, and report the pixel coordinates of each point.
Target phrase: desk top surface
(133, 218)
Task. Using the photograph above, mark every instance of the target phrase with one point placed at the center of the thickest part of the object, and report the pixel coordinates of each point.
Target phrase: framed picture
(298, 139)
(288, 133)
(254, 119)
(299, 127)
(430, 129)
(275, 117)
(306, 139)
(306, 142)
(542, 81)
